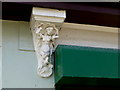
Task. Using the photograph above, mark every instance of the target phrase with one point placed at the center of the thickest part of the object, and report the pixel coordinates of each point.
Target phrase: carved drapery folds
(45, 31)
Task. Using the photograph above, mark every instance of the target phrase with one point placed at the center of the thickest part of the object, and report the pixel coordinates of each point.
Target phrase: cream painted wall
(88, 35)
(19, 67)
(0, 54)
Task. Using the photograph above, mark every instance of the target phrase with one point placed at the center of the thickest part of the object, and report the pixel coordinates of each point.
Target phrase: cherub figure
(46, 47)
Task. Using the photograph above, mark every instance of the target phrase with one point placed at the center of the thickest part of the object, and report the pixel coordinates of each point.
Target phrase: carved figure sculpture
(45, 34)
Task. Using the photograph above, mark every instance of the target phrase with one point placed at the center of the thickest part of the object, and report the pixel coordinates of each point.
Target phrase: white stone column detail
(45, 25)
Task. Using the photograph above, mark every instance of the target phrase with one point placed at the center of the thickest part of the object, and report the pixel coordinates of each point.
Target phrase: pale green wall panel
(19, 67)
(25, 40)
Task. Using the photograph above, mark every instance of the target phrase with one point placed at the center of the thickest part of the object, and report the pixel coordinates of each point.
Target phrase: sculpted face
(49, 30)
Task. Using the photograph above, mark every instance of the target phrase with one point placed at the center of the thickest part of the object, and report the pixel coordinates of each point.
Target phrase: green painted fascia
(58, 65)
(86, 62)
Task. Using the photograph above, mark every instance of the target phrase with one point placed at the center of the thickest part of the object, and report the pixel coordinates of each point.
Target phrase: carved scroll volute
(44, 35)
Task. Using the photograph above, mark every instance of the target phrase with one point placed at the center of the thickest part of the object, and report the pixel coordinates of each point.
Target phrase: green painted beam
(76, 65)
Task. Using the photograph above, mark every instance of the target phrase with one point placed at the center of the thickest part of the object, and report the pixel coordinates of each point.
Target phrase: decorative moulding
(45, 25)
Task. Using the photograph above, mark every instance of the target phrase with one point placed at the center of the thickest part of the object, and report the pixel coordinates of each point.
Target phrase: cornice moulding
(91, 27)
(45, 25)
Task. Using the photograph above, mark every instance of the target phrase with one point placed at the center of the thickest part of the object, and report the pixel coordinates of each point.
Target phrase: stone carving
(44, 35)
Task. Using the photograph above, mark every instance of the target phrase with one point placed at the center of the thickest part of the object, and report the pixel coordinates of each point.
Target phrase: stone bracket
(45, 25)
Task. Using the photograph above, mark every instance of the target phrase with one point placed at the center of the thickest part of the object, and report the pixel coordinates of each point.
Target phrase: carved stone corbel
(45, 26)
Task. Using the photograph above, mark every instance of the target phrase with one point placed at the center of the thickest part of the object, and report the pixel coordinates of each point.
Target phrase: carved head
(50, 30)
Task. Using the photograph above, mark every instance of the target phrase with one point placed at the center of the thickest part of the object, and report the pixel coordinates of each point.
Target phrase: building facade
(81, 44)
